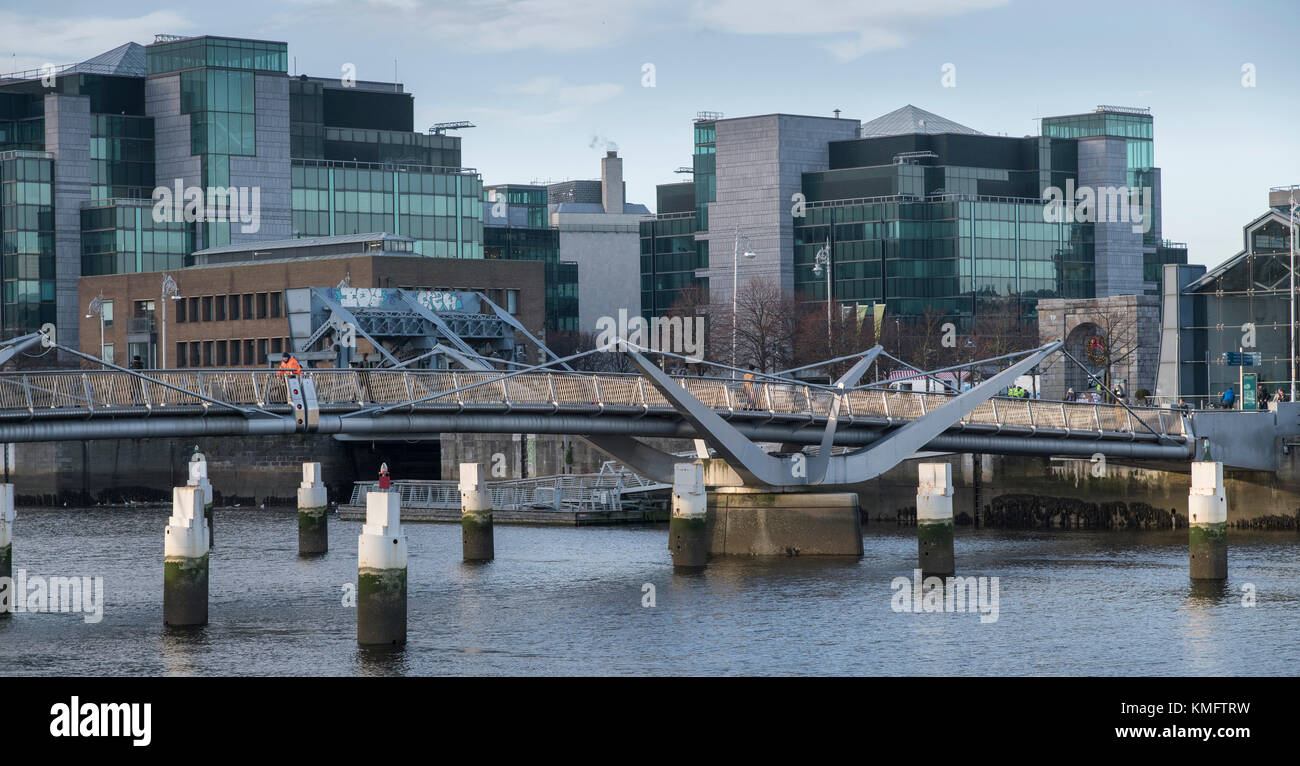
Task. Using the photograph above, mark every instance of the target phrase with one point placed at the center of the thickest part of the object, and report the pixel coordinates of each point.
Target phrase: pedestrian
(289, 366)
(1069, 394)
(137, 363)
(1229, 397)
(749, 378)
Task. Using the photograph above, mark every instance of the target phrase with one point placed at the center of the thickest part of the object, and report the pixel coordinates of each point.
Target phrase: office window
(219, 354)
(219, 308)
(250, 358)
(108, 353)
(207, 308)
(261, 305)
(194, 353)
(182, 354)
(235, 346)
(207, 353)
(106, 310)
(194, 309)
(512, 301)
(248, 305)
(261, 351)
(276, 346)
(180, 311)
(234, 307)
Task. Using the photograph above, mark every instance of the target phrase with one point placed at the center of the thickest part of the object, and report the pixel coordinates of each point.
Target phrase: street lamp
(96, 307)
(172, 292)
(735, 287)
(1291, 224)
(823, 259)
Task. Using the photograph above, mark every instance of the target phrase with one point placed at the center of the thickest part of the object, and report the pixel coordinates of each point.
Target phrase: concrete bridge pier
(7, 547)
(934, 523)
(381, 573)
(1207, 518)
(198, 468)
(475, 514)
(688, 527)
(185, 560)
(313, 512)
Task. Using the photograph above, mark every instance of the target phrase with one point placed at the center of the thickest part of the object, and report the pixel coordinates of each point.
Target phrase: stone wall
(1131, 325)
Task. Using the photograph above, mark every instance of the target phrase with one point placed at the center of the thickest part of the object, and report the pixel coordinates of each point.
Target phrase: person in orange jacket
(289, 366)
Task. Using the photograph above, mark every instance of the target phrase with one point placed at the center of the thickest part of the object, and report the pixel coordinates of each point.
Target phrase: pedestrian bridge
(878, 427)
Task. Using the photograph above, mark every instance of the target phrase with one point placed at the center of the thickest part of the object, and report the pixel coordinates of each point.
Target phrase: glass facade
(1136, 128)
(229, 53)
(670, 255)
(27, 240)
(706, 172)
(121, 237)
(514, 243)
(22, 122)
(1254, 290)
(946, 255)
(121, 157)
(440, 208)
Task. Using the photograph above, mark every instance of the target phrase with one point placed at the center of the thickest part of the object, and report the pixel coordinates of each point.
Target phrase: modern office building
(133, 160)
(916, 211)
(516, 228)
(587, 233)
(1242, 304)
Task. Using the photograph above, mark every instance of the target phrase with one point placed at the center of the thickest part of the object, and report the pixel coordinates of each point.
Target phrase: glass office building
(920, 214)
(522, 233)
(327, 157)
(27, 238)
(440, 208)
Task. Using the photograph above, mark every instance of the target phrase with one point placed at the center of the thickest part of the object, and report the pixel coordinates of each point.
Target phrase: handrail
(56, 391)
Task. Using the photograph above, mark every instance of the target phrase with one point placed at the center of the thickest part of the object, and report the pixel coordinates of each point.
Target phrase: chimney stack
(611, 182)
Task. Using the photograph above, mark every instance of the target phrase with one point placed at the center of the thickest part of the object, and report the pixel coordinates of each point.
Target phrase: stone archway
(1080, 345)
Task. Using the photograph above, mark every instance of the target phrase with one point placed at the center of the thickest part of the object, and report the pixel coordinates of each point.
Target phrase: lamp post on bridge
(735, 289)
(823, 260)
(169, 292)
(96, 307)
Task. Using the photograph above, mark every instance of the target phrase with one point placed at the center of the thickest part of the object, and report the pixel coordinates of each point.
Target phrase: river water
(570, 601)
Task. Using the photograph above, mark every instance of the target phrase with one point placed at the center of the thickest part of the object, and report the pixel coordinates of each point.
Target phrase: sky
(552, 84)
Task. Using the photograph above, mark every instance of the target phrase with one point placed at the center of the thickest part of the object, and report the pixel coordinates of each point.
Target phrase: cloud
(52, 38)
(553, 88)
(485, 25)
(850, 28)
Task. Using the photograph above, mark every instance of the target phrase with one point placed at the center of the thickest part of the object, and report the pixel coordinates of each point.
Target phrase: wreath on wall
(1096, 348)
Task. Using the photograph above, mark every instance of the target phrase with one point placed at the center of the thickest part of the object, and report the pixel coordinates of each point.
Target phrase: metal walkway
(588, 492)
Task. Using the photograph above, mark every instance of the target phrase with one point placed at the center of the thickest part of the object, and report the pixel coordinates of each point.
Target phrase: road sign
(1248, 389)
(1243, 359)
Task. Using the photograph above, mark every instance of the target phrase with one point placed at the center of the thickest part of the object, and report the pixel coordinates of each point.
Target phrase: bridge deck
(77, 394)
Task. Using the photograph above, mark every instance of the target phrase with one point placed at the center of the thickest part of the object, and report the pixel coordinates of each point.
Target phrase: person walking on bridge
(289, 366)
(1229, 398)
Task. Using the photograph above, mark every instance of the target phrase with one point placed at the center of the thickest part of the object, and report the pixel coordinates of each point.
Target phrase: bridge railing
(29, 393)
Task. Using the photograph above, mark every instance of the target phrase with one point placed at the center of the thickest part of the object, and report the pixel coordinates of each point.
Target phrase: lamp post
(823, 260)
(735, 287)
(169, 292)
(96, 307)
(1291, 319)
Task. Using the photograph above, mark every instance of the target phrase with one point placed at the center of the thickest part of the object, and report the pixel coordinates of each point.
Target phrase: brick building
(230, 311)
